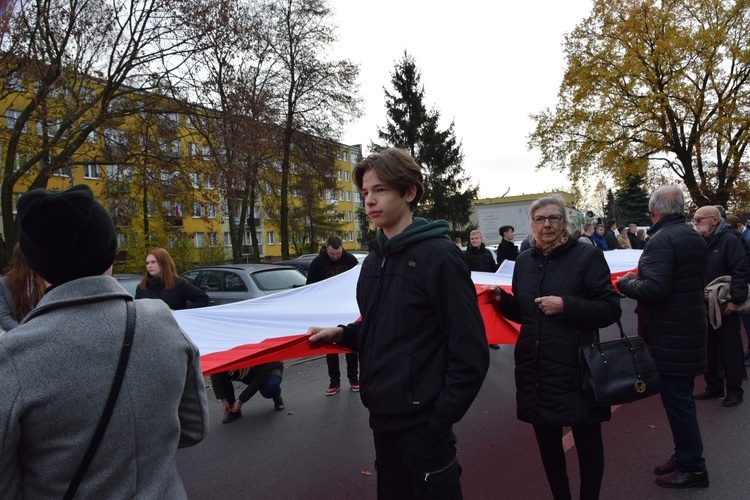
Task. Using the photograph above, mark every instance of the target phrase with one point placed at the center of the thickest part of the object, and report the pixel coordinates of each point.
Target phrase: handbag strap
(595, 337)
(109, 407)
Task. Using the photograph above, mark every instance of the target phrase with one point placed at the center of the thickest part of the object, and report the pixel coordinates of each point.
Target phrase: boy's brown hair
(396, 169)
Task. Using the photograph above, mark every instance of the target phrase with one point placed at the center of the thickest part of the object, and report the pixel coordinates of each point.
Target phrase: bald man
(726, 257)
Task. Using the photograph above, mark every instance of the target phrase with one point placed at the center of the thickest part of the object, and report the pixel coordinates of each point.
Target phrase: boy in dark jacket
(421, 340)
(477, 256)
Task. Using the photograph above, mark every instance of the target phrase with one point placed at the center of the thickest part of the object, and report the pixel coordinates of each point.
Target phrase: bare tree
(318, 96)
(71, 69)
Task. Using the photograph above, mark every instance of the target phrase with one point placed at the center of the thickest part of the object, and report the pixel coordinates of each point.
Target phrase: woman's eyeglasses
(553, 219)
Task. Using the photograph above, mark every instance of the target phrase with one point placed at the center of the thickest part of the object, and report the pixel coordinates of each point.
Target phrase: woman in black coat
(162, 282)
(562, 294)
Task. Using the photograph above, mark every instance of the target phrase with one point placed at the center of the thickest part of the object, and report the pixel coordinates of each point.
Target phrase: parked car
(235, 282)
(129, 281)
(301, 264)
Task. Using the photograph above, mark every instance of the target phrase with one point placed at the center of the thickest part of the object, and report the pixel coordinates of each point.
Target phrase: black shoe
(494, 346)
(231, 417)
(278, 403)
(680, 479)
(667, 467)
(731, 401)
(708, 395)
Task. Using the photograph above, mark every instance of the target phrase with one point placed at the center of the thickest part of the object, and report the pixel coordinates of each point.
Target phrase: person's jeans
(417, 464)
(678, 401)
(352, 366)
(270, 389)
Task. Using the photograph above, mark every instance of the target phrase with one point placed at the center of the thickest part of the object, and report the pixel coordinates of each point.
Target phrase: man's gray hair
(667, 200)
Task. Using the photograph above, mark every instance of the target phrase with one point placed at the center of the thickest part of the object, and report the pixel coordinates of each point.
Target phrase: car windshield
(278, 279)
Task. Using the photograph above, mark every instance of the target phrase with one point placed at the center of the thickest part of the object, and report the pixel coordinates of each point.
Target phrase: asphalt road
(320, 447)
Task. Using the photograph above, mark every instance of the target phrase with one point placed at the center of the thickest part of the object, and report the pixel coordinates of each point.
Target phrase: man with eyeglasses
(726, 257)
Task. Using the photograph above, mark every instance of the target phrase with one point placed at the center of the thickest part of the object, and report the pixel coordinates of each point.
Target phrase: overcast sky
(487, 65)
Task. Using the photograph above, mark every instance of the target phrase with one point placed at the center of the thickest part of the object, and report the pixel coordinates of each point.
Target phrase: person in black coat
(672, 322)
(477, 257)
(162, 282)
(610, 235)
(562, 293)
(334, 260)
(506, 250)
(726, 257)
(635, 242)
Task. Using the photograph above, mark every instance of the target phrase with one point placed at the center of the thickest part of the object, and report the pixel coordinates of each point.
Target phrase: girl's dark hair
(23, 284)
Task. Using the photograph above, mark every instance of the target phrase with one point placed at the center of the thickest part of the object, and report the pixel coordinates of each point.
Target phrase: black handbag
(617, 371)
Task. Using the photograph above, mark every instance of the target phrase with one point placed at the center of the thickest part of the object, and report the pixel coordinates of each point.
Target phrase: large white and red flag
(273, 328)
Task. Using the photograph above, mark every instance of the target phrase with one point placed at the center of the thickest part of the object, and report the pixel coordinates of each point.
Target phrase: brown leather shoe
(667, 467)
(680, 479)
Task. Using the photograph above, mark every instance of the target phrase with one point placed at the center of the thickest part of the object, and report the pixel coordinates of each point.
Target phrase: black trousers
(590, 448)
(725, 356)
(416, 464)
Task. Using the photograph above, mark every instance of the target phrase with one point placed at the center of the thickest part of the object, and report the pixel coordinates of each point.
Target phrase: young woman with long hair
(20, 291)
(161, 281)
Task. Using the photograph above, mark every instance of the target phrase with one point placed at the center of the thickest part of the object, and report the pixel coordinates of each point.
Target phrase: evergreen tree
(448, 194)
(632, 202)
(608, 210)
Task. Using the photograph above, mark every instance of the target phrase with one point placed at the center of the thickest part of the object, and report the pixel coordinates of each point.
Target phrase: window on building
(357, 197)
(346, 155)
(351, 235)
(227, 239)
(355, 157)
(211, 210)
(93, 137)
(213, 239)
(119, 172)
(206, 152)
(341, 174)
(63, 172)
(349, 215)
(11, 118)
(341, 195)
(194, 150)
(200, 240)
(15, 202)
(195, 180)
(122, 239)
(92, 171)
(52, 127)
(346, 176)
(271, 238)
(348, 196)
(224, 211)
(209, 182)
(197, 210)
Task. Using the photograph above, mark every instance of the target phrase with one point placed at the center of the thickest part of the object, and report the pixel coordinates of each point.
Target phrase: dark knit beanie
(65, 235)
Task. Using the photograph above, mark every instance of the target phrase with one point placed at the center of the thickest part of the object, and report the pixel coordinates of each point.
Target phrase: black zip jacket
(727, 257)
(422, 345)
(669, 289)
(182, 296)
(322, 267)
(479, 259)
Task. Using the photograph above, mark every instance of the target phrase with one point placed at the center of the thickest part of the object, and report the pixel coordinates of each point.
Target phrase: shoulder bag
(114, 392)
(617, 371)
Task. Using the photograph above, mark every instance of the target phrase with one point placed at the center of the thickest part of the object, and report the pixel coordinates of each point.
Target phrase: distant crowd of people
(419, 352)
